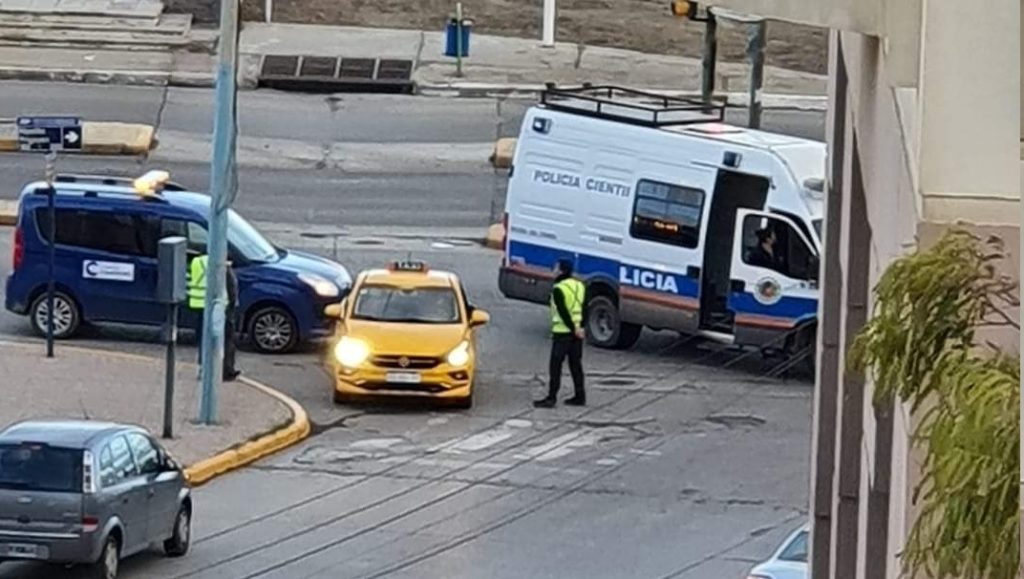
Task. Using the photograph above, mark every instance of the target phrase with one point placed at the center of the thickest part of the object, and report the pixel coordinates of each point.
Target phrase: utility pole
(223, 187)
(755, 50)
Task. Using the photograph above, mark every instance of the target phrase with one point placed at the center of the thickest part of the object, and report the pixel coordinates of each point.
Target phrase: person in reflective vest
(197, 302)
(568, 317)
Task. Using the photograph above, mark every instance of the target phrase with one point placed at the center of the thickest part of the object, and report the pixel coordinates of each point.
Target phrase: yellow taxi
(405, 331)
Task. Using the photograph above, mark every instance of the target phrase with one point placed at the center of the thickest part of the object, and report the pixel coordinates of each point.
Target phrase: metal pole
(755, 50)
(458, 39)
(548, 30)
(268, 9)
(223, 183)
(710, 58)
(171, 335)
(51, 162)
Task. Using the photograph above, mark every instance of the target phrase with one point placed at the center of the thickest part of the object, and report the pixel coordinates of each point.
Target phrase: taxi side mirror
(479, 318)
(335, 310)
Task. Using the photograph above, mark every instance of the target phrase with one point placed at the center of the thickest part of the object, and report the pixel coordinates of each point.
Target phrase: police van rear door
(773, 279)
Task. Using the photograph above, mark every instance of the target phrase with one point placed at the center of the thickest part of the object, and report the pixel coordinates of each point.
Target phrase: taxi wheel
(604, 327)
(273, 330)
(66, 315)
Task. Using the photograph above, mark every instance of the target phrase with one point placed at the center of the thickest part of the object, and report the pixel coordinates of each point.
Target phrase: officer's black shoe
(544, 403)
(576, 401)
(230, 376)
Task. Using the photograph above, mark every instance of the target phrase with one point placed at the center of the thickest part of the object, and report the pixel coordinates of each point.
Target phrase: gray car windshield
(248, 240)
(796, 550)
(38, 467)
(411, 305)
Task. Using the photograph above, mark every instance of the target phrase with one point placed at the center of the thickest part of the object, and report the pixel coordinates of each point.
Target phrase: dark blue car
(106, 268)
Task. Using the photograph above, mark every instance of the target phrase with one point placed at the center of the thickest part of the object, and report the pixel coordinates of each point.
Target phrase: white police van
(675, 220)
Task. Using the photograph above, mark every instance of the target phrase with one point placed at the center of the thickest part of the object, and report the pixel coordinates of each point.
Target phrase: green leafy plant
(920, 347)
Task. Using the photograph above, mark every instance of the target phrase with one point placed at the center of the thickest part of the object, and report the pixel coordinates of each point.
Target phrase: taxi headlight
(351, 352)
(322, 286)
(459, 356)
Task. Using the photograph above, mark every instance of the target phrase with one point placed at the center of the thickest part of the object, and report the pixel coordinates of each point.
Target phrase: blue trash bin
(451, 36)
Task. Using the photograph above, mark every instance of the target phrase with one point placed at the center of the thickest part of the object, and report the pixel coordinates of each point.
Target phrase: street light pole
(755, 49)
(223, 186)
(710, 57)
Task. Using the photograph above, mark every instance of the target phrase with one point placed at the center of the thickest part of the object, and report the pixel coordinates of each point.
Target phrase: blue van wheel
(273, 330)
(66, 315)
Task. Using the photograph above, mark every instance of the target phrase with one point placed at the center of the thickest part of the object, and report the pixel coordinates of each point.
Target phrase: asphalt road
(681, 467)
(384, 181)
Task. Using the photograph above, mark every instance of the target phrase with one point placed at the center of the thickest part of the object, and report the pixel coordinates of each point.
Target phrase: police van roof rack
(631, 106)
(108, 180)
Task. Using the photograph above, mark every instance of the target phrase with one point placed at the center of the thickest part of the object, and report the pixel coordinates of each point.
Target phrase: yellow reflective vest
(197, 282)
(574, 292)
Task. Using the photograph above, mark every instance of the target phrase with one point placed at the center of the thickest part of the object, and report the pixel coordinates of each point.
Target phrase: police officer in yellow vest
(197, 302)
(568, 315)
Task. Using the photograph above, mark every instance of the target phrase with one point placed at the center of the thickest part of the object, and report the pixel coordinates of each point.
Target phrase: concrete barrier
(98, 138)
(504, 150)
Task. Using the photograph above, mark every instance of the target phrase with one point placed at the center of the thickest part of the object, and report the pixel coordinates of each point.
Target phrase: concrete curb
(8, 213)
(98, 138)
(247, 453)
(233, 458)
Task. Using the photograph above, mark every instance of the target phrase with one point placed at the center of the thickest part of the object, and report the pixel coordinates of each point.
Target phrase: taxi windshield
(248, 241)
(407, 305)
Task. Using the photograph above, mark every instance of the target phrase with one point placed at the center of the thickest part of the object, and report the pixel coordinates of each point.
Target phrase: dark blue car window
(120, 233)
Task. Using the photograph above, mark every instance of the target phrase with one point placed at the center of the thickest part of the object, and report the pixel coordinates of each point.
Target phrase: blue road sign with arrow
(49, 134)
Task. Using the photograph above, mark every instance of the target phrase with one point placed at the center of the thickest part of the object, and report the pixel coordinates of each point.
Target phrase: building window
(667, 213)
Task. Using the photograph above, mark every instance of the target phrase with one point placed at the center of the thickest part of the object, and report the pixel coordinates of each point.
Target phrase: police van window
(667, 213)
(121, 233)
(774, 244)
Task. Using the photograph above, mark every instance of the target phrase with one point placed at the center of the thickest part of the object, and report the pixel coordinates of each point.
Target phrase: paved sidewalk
(496, 65)
(87, 383)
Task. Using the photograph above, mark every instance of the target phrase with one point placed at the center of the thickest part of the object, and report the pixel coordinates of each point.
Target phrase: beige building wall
(929, 99)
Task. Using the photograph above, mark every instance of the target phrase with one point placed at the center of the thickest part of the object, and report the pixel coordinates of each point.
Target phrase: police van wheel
(66, 316)
(605, 329)
(272, 330)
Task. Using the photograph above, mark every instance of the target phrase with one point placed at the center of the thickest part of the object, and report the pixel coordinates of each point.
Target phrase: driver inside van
(765, 254)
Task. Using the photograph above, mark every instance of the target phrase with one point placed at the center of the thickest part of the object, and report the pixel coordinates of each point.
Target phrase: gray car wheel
(109, 562)
(180, 542)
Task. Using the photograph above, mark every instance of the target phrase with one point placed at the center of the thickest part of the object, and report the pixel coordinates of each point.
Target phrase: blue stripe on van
(541, 257)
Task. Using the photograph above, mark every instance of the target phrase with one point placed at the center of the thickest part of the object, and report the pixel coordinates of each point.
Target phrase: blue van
(107, 231)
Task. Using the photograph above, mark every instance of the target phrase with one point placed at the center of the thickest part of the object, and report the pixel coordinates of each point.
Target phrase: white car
(789, 561)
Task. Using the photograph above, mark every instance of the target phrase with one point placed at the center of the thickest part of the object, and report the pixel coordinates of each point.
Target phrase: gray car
(83, 492)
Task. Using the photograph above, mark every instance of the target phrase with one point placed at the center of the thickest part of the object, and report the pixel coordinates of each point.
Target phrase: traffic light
(684, 9)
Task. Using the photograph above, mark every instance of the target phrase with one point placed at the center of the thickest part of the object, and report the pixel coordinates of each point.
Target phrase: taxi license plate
(403, 377)
(21, 551)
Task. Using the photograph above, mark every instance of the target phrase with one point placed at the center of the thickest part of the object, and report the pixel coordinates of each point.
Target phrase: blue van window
(113, 232)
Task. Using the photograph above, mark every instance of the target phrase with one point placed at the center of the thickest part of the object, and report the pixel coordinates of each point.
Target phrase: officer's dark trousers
(229, 341)
(563, 345)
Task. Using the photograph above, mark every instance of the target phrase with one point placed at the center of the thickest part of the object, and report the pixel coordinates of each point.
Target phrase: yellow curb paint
(249, 452)
(504, 150)
(8, 212)
(98, 138)
(496, 236)
(234, 458)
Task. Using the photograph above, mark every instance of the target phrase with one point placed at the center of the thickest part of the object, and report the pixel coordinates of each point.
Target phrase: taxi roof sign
(151, 183)
(408, 265)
